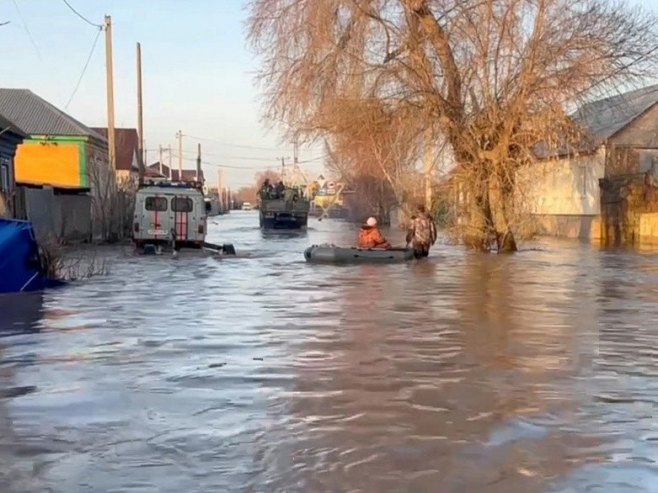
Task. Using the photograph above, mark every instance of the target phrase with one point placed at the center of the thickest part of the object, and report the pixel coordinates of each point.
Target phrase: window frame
(5, 174)
(174, 201)
(156, 200)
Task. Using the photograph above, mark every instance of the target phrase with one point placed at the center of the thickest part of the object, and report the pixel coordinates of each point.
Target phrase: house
(566, 189)
(126, 150)
(158, 170)
(55, 166)
(10, 137)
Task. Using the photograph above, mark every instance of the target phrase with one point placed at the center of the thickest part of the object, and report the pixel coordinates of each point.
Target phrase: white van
(246, 206)
(170, 214)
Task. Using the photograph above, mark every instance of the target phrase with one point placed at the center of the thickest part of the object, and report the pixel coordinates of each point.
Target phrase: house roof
(601, 120)
(126, 146)
(36, 116)
(149, 173)
(6, 125)
(188, 174)
(154, 169)
(604, 118)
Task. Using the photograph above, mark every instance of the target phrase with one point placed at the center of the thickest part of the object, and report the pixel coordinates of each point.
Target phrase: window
(5, 166)
(182, 204)
(155, 204)
(4, 178)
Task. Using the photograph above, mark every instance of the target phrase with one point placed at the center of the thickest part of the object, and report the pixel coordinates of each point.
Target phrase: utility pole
(140, 115)
(109, 69)
(160, 160)
(180, 155)
(198, 163)
(220, 187)
(429, 164)
(170, 172)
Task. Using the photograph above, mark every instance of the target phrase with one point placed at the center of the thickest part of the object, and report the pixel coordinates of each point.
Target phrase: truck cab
(170, 214)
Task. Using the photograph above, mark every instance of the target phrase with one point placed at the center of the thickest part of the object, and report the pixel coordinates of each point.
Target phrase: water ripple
(466, 372)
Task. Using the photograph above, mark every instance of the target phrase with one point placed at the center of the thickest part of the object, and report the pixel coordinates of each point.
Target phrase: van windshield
(182, 204)
(155, 204)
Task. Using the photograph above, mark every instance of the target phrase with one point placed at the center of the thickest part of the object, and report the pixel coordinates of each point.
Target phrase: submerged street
(533, 372)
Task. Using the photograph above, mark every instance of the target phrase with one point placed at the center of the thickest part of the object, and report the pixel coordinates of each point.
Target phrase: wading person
(371, 237)
(422, 232)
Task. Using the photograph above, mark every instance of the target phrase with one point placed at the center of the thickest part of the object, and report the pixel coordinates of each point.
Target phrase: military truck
(283, 209)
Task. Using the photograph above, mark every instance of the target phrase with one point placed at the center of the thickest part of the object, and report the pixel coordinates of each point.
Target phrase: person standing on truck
(266, 189)
(280, 190)
(422, 232)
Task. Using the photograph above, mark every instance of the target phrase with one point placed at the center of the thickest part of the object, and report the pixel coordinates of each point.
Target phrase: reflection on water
(532, 372)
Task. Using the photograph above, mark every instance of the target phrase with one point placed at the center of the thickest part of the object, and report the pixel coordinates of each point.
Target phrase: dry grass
(66, 265)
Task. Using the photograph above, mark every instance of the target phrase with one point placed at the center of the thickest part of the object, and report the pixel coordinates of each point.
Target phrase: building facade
(580, 194)
(10, 138)
(58, 166)
(126, 151)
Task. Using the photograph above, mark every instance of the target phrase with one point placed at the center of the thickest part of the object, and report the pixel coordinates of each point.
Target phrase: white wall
(567, 186)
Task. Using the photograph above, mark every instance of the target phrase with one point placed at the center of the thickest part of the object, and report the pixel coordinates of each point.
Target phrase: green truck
(287, 210)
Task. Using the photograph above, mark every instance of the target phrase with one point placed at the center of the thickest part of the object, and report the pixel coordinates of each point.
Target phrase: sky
(198, 76)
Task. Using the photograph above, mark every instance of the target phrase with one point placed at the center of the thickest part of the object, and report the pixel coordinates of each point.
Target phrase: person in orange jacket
(371, 237)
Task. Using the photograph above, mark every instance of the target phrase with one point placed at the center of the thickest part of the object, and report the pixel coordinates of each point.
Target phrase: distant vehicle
(246, 206)
(289, 211)
(170, 213)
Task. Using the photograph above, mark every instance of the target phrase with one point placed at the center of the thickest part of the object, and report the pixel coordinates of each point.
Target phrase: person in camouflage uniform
(422, 232)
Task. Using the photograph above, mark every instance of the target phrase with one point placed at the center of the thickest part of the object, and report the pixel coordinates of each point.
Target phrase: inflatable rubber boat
(330, 254)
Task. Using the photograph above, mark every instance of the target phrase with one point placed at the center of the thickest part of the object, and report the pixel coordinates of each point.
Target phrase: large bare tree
(493, 77)
(373, 149)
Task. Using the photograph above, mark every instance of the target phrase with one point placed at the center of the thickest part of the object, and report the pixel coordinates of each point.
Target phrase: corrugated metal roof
(36, 116)
(604, 118)
(601, 120)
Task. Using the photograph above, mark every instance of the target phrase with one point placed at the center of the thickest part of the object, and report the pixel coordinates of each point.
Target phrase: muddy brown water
(464, 373)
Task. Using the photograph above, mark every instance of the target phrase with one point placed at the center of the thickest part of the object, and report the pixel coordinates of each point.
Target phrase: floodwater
(464, 373)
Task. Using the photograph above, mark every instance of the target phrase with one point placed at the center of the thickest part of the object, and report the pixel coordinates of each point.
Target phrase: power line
(222, 156)
(249, 158)
(27, 29)
(233, 145)
(232, 167)
(80, 15)
(192, 159)
(84, 69)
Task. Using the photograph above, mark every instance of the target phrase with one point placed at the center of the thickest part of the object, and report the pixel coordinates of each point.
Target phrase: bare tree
(375, 152)
(250, 193)
(113, 202)
(495, 77)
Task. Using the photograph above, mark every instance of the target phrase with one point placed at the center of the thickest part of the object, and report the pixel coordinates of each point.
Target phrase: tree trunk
(500, 226)
(475, 231)
(484, 210)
